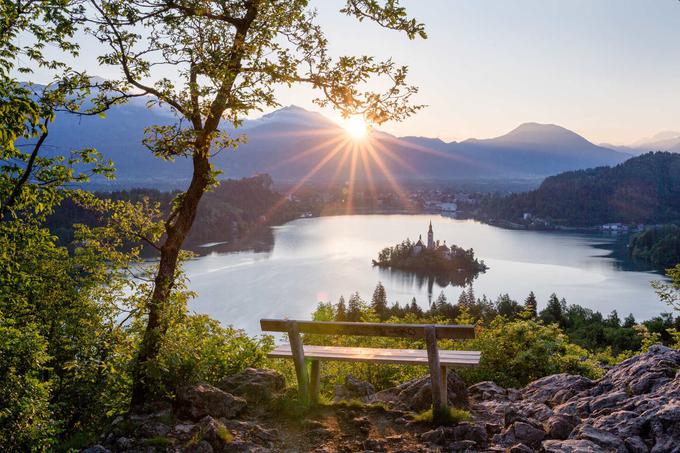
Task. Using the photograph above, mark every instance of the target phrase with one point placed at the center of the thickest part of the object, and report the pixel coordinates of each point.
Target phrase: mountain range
(293, 144)
(663, 141)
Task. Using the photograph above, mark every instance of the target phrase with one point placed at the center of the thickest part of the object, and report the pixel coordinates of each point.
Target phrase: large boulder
(556, 389)
(416, 395)
(254, 384)
(198, 401)
(354, 389)
(571, 446)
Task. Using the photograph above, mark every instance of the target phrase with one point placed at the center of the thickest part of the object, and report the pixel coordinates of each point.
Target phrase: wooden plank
(438, 403)
(444, 384)
(315, 382)
(443, 331)
(298, 355)
(381, 355)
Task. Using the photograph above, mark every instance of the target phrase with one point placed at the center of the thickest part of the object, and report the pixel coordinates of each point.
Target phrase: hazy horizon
(607, 70)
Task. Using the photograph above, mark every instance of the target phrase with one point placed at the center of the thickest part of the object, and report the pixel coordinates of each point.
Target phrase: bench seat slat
(381, 355)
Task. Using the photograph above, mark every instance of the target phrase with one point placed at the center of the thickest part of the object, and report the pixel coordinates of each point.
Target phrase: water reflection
(320, 259)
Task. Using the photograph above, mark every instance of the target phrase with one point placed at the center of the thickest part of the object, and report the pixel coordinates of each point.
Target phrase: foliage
(657, 245)
(669, 292)
(198, 349)
(25, 421)
(643, 189)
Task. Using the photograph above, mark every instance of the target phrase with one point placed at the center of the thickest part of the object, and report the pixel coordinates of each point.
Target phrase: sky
(606, 69)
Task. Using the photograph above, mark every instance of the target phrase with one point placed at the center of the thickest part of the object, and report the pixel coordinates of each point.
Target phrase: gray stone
(195, 402)
(571, 446)
(520, 448)
(462, 446)
(96, 449)
(354, 389)
(475, 432)
(559, 426)
(254, 384)
(556, 389)
(604, 439)
(487, 390)
(416, 395)
(435, 436)
(215, 433)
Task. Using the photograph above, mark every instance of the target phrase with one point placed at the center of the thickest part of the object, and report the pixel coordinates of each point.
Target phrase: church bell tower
(430, 237)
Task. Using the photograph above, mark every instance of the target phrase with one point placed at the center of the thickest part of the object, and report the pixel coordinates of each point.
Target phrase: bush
(199, 349)
(25, 419)
(449, 416)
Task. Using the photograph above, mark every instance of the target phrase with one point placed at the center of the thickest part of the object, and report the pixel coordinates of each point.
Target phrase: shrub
(199, 349)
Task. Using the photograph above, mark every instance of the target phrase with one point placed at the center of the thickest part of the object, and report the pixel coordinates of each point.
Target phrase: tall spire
(430, 237)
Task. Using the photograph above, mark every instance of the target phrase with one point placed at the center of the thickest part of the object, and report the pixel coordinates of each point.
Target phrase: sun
(355, 126)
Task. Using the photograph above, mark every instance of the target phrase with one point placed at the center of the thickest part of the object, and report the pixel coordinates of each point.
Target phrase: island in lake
(448, 264)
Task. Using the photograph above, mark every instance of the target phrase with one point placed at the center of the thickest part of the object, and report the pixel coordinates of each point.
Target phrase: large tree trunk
(176, 232)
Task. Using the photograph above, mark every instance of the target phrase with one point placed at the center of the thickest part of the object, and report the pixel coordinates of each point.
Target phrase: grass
(449, 416)
(358, 404)
(159, 441)
(224, 434)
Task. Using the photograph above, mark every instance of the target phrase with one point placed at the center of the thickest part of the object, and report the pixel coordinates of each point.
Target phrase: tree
(669, 292)
(213, 60)
(554, 312)
(379, 301)
(341, 310)
(531, 305)
(355, 307)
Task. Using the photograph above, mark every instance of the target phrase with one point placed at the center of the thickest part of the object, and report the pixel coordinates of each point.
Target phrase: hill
(292, 143)
(644, 189)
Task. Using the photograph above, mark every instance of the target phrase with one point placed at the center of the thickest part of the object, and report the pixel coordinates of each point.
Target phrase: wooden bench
(437, 361)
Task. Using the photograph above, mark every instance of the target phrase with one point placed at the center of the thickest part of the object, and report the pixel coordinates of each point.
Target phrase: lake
(319, 259)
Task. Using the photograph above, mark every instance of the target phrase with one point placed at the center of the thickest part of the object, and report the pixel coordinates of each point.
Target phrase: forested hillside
(644, 189)
(237, 212)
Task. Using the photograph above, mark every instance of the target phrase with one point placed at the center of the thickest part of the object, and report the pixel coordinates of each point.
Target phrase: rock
(416, 395)
(636, 445)
(201, 447)
(124, 444)
(520, 432)
(435, 436)
(320, 433)
(254, 384)
(462, 446)
(571, 446)
(556, 389)
(520, 448)
(375, 445)
(604, 439)
(215, 433)
(363, 424)
(607, 400)
(560, 426)
(487, 390)
(354, 389)
(195, 402)
(96, 449)
(475, 432)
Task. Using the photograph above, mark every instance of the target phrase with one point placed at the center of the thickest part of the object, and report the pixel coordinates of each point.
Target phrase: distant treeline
(238, 212)
(659, 245)
(644, 189)
(583, 326)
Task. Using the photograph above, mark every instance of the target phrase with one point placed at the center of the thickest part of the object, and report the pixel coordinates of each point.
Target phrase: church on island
(442, 249)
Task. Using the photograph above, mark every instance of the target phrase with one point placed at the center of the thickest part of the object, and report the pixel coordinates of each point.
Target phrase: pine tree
(531, 305)
(354, 307)
(341, 310)
(379, 301)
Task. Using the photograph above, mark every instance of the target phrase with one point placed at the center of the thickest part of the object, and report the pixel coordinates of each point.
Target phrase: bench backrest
(442, 331)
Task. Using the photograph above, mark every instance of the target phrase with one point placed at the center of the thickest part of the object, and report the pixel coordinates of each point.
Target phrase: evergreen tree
(414, 308)
(379, 301)
(341, 310)
(555, 311)
(531, 305)
(355, 306)
(629, 322)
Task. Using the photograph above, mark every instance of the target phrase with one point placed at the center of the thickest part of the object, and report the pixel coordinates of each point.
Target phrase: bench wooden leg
(315, 382)
(444, 385)
(438, 403)
(298, 360)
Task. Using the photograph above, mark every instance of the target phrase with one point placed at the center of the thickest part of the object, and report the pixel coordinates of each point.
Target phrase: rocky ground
(634, 408)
